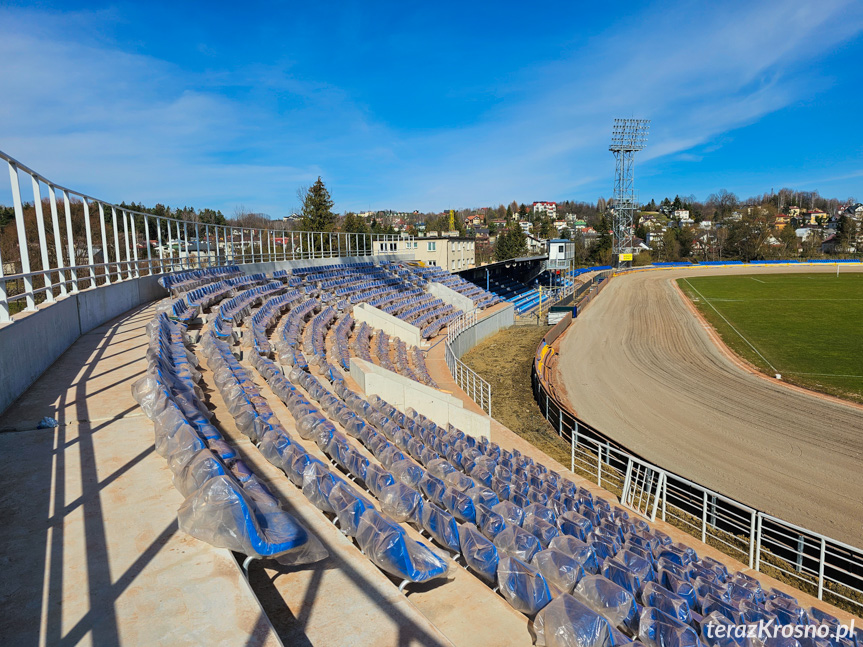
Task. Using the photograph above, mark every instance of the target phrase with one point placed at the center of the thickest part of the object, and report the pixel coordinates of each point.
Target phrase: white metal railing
(829, 569)
(467, 379)
(92, 243)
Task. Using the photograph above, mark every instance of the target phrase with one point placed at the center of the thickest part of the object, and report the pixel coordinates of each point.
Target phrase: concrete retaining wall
(393, 326)
(402, 393)
(450, 296)
(483, 328)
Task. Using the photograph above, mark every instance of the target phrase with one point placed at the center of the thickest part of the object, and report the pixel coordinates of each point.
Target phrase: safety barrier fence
(93, 243)
(826, 568)
(467, 379)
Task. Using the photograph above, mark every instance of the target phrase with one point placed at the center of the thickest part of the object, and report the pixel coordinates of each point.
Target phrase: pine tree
(318, 208)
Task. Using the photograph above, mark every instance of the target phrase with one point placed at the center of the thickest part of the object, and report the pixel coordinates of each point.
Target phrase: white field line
(707, 301)
(787, 299)
(759, 280)
(823, 374)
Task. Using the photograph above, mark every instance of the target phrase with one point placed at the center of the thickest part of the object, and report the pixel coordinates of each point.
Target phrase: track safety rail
(467, 379)
(826, 568)
(69, 241)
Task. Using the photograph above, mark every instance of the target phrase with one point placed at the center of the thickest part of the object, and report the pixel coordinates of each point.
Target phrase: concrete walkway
(91, 550)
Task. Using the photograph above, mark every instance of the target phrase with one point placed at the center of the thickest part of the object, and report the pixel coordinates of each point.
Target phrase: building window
(432, 246)
(453, 264)
(560, 249)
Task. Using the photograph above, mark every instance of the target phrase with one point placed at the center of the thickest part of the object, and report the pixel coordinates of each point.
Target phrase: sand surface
(641, 366)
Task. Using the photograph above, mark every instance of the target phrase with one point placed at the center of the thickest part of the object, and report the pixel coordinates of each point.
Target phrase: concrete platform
(91, 550)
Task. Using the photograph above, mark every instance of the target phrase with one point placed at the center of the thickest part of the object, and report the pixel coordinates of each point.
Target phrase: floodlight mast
(627, 137)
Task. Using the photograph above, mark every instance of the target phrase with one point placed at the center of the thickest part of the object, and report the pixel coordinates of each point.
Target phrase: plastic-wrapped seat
(221, 513)
(390, 549)
(575, 524)
(611, 600)
(479, 553)
(407, 472)
(198, 470)
(658, 629)
(318, 482)
(377, 478)
(481, 494)
(349, 506)
(541, 529)
(490, 523)
(620, 574)
(679, 585)
(523, 586)
(441, 526)
(401, 502)
(517, 542)
(636, 564)
(558, 568)
(580, 550)
(567, 622)
(655, 595)
(459, 505)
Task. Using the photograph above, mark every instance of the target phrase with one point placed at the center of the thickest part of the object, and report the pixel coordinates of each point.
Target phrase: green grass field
(804, 326)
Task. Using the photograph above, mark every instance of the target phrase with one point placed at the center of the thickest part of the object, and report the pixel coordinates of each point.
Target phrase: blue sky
(432, 106)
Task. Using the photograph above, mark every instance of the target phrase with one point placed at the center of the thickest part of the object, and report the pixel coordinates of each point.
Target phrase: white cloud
(127, 126)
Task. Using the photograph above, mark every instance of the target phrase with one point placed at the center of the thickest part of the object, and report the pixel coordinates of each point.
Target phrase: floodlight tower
(628, 136)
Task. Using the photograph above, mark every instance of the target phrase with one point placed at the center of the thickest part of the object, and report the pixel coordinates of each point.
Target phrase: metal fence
(467, 379)
(824, 567)
(92, 243)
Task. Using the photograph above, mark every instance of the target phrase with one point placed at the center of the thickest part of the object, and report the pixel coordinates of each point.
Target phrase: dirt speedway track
(640, 366)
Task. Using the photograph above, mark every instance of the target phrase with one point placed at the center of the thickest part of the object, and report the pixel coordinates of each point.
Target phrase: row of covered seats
(380, 537)
(190, 279)
(225, 503)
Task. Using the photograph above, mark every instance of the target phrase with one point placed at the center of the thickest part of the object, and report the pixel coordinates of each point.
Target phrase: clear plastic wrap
(388, 547)
(558, 568)
(459, 505)
(575, 524)
(523, 586)
(567, 622)
(407, 472)
(541, 529)
(200, 468)
(655, 595)
(490, 523)
(658, 629)
(401, 502)
(318, 481)
(349, 506)
(222, 514)
(480, 554)
(441, 526)
(513, 541)
(604, 596)
(511, 513)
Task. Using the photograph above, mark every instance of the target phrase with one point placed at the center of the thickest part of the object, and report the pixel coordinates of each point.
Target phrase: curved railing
(84, 249)
(829, 569)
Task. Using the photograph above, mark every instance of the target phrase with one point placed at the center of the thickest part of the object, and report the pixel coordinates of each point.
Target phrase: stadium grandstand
(270, 438)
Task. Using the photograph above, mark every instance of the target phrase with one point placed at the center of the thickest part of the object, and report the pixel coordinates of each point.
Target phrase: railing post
(147, 243)
(67, 208)
(117, 257)
(129, 272)
(704, 516)
(752, 539)
(758, 543)
(22, 236)
(58, 243)
(821, 560)
(106, 258)
(134, 235)
(43, 244)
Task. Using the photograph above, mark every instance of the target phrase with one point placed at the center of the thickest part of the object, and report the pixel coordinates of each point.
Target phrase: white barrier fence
(826, 568)
(467, 379)
(93, 243)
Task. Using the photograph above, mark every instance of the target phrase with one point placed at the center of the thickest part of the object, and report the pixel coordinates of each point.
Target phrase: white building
(548, 208)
